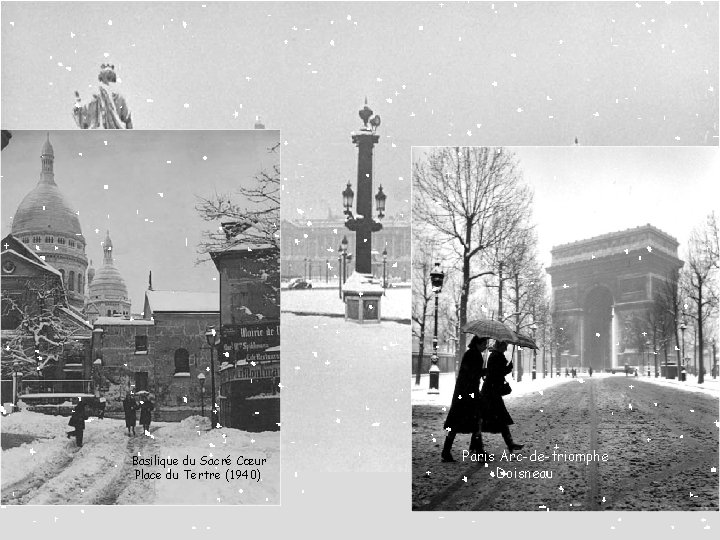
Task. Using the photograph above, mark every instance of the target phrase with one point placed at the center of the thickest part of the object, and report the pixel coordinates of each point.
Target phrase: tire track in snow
(22, 490)
(593, 475)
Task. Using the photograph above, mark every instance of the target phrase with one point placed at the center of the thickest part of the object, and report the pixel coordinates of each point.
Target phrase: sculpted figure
(107, 109)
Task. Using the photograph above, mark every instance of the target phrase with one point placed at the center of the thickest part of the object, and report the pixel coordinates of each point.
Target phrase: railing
(55, 386)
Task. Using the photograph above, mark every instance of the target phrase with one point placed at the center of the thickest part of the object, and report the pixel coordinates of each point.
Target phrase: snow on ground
(710, 386)
(346, 402)
(52, 470)
(420, 395)
(395, 304)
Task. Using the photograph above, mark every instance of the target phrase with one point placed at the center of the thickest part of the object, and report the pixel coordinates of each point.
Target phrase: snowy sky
(456, 73)
(581, 191)
(148, 230)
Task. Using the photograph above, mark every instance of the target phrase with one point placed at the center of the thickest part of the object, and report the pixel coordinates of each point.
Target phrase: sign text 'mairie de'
(250, 341)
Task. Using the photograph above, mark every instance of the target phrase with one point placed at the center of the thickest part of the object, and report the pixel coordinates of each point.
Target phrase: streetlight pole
(340, 279)
(327, 270)
(201, 379)
(16, 374)
(210, 336)
(534, 366)
(344, 244)
(384, 254)
(683, 327)
(436, 280)
(647, 348)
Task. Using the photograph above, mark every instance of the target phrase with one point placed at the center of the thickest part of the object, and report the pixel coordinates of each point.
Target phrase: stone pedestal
(362, 294)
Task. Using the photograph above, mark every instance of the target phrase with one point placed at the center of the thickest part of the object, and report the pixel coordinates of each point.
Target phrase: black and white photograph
(352, 87)
(141, 318)
(565, 328)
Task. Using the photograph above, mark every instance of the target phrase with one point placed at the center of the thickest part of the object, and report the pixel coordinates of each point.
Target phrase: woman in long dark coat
(464, 414)
(130, 407)
(77, 420)
(146, 407)
(495, 417)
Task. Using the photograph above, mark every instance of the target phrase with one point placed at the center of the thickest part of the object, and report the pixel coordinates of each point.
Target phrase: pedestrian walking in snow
(590, 370)
(494, 414)
(77, 421)
(464, 414)
(101, 408)
(146, 407)
(130, 407)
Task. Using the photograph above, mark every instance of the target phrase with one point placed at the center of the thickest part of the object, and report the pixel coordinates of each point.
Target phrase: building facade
(162, 353)
(310, 249)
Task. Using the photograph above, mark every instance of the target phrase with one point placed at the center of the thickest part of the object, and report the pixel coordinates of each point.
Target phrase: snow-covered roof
(120, 321)
(77, 317)
(183, 301)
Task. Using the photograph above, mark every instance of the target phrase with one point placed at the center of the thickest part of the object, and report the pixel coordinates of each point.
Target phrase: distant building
(163, 353)
(46, 223)
(108, 294)
(315, 256)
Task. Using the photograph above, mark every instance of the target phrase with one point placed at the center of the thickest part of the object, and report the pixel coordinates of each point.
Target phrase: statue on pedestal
(107, 109)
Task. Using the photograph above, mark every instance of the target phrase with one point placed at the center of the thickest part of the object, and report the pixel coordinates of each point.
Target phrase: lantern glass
(384, 254)
(344, 243)
(436, 277)
(380, 202)
(348, 196)
(210, 335)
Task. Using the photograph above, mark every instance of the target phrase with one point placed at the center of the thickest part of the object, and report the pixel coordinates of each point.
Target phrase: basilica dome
(108, 294)
(44, 209)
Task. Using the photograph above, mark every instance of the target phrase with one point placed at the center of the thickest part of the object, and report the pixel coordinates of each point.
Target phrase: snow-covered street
(108, 469)
(659, 440)
(346, 402)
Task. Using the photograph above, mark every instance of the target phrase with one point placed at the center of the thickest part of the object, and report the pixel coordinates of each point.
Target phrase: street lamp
(348, 195)
(16, 374)
(436, 280)
(327, 270)
(340, 279)
(344, 246)
(647, 348)
(380, 202)
(533, 328)
(384, 254)
(210, 336)
(683, 327)
(201, 379)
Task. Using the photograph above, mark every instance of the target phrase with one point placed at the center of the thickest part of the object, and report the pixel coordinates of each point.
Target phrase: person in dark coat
(77, 421)
(146, 407)
(464, 414)
(129, 407)
(495, 417)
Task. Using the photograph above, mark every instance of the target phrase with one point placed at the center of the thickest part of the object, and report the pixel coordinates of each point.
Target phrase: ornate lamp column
(683, 327)
(361, 293)
(533, 328)
(384, 283)
(210, 336)
(436, 280)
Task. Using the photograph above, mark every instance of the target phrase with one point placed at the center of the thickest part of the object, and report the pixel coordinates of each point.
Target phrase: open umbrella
(487, 328)
(525, 341)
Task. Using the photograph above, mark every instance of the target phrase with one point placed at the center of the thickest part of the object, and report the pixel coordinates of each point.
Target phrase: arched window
(71, 281)
(182, 361)
(109, 313)
(71, 243)
(80, 284)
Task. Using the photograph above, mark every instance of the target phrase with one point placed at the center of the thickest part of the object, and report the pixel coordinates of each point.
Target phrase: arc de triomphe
(603, 286)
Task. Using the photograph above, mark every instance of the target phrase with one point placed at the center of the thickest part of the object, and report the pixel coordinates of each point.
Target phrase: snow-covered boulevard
(608, 442)
(41, 466)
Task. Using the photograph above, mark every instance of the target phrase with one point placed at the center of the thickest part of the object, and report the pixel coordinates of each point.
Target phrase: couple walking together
(474, 410)
(130, 408)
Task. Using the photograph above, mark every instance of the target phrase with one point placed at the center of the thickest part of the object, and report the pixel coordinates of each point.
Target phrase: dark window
(109, 313)
(26, 240)
(80, 284)
(141, 380)
(71, 243)
(61, 241)
(48, 239)
(71, 281)
(140, 343)
(36, 239)
(182, 361)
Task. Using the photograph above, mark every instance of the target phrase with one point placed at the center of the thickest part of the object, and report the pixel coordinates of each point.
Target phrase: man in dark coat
(77, 420)
(464, 414)
(146, 407)
(495, 417)
(129, 407)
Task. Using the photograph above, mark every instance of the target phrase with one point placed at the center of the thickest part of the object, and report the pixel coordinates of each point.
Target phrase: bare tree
(700, 269)
(472, 198)
(422, 264)
(38, 334)
(249, 217)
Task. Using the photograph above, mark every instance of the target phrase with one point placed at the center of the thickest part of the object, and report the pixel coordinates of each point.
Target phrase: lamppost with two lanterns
(212, 341)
